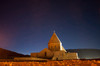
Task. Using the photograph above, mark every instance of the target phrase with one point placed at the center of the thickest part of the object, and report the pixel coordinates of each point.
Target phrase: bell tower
(55, 44)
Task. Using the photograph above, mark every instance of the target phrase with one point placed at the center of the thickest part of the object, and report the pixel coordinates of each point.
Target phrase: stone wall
(34, 54)
(54, 46)
(61, 55)
(72, 56)
(45, 53)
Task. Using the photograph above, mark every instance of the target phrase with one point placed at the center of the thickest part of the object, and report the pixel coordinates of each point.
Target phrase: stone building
(55, 51)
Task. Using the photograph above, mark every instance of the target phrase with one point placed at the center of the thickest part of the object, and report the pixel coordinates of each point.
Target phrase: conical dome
(54, 39)
(55, 44)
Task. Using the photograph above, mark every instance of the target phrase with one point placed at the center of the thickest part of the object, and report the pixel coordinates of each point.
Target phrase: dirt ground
(54, 63)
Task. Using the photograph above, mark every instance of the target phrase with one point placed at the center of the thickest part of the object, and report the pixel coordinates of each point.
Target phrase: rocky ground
(54, 63)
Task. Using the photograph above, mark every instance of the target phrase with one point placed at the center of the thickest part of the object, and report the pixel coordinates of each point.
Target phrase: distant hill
(82, 53)
(7, 54)
(86, 53)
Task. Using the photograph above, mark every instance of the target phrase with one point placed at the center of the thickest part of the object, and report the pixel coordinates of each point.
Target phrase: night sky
(26, 26)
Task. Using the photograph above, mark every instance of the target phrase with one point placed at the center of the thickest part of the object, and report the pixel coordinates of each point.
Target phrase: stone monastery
(55, 51)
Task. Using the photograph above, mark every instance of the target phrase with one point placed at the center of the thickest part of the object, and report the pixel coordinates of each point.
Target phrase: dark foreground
(52, 63)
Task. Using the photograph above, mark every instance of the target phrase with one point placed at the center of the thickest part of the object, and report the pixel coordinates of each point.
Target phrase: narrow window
(45, 53)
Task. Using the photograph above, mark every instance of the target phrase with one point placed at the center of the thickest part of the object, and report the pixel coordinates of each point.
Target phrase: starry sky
(27, 25)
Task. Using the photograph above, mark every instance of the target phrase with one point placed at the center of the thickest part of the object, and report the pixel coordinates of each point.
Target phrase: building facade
(55, 51)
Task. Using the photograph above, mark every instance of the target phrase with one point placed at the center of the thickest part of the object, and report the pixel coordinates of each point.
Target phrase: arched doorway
(57, 59)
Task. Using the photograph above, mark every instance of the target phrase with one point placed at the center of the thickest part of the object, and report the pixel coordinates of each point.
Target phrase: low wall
(28, 58)
(72, 56)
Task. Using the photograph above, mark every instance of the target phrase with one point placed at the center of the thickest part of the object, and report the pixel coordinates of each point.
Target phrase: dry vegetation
(54, 63)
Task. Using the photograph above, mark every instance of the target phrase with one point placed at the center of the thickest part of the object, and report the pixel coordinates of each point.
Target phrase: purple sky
(26, 26)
